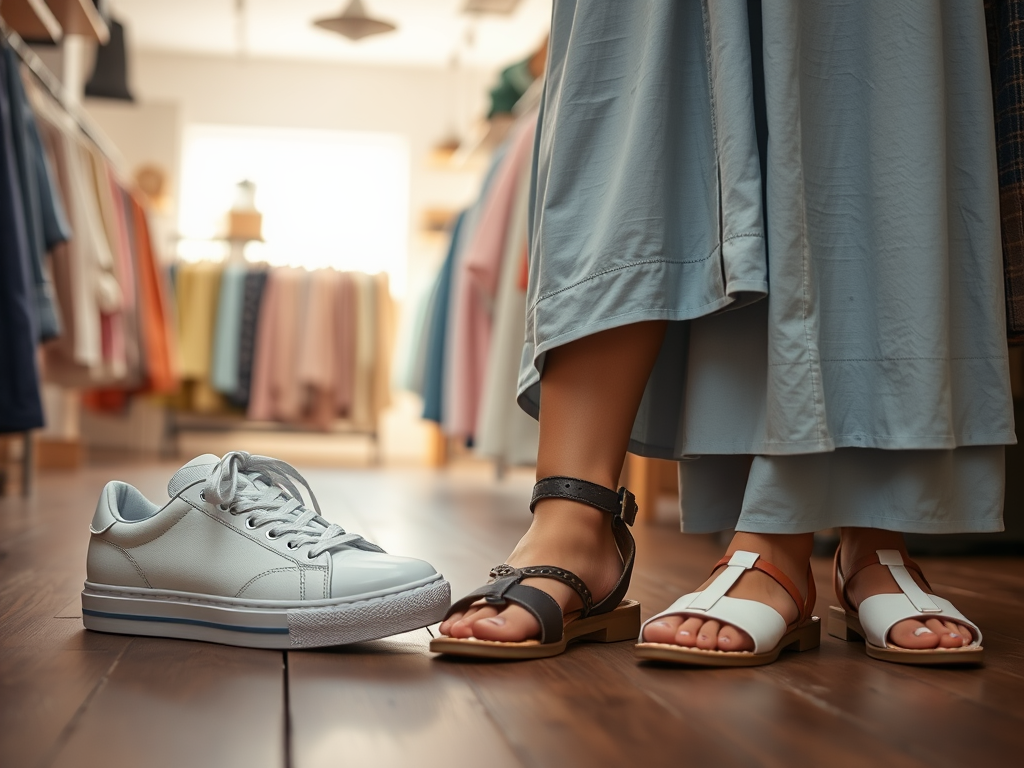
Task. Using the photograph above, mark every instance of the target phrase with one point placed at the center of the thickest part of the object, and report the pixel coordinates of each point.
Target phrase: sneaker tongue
(190, 474)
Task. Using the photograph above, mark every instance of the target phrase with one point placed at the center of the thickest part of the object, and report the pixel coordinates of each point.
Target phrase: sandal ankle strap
(619, 503)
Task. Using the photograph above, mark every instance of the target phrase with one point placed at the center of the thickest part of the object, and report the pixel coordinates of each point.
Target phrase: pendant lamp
(110, 73)
(354, 24)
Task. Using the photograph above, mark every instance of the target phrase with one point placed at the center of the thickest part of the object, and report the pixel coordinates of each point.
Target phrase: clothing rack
(59, 94)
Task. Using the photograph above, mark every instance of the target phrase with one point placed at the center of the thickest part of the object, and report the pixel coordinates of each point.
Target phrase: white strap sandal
(766, 626)
(880, 613)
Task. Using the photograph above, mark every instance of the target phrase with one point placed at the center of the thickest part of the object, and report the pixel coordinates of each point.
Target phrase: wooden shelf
(32, 19)
(79, 17)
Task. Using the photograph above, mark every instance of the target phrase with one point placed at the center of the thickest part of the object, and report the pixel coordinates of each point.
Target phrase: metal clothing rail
(55, 88)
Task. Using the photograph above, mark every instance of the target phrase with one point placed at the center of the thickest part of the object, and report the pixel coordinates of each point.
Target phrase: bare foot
(912, 634)
(563, 533)
(789, 553)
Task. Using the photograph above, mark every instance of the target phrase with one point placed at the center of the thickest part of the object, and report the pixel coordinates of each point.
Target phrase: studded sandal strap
(506, 588)
(557, 574)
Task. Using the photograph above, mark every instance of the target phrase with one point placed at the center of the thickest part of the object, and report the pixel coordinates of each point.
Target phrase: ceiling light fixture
(354, 24)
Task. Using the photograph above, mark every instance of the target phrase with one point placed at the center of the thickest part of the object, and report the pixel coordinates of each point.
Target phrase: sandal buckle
(627, 506)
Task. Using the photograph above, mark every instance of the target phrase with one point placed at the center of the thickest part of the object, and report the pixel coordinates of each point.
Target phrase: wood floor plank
(386, 703)
(170, 703)
(42, 692)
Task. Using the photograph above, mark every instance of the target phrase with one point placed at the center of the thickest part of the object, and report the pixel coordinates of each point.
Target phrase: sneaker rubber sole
(264, 623)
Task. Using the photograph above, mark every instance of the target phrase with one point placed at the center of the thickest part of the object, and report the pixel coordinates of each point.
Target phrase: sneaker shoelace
(263, 487)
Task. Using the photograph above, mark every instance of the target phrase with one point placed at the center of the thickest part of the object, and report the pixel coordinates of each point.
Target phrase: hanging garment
(276, 392)
(345, 319)
(255, 281)
(228, 330)
(99, 204)
(261, 406)
(87, 353)
(158, 340)
(318, 346)
(477, 286)
(198, 289)
(20, 404)
(885, 327)
(1005, 19)
(384, 341)
(365, 353)
(35, 193)
(504, 431)
(436, 336)
(450, 362)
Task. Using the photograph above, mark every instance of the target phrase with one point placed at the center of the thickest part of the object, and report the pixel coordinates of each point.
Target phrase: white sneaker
(234, 557)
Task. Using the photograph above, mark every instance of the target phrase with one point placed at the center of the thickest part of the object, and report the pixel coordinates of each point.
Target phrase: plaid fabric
(1005, 21)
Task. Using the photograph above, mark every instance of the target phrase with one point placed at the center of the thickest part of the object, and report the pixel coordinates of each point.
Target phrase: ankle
(856, 543)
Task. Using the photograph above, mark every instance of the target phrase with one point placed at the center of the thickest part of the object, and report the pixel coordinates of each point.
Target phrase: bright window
(328, 198)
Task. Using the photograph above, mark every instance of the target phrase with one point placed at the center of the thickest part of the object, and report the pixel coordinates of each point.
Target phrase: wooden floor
(74, 698)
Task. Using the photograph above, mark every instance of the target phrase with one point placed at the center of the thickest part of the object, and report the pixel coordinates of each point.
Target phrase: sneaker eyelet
(292, 545)
(271, 535)
(224, 507)
(202, 495)
(309, 555)
(249, 524)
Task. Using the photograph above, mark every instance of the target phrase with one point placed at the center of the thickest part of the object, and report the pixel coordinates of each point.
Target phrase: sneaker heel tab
(105, 514)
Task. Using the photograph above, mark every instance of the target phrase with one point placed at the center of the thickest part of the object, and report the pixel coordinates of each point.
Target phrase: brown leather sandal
(765, 625)
(610, 620)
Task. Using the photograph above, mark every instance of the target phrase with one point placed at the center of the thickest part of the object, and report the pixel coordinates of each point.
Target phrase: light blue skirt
(857, 180)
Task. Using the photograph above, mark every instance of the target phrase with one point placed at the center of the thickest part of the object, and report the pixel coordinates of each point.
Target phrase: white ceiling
(429, 31)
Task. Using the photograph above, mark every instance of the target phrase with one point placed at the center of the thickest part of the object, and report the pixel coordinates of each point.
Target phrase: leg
(590, 392)
(876, 580)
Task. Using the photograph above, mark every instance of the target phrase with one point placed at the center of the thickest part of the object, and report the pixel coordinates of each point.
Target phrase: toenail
(497, 621)
(661, 623)
(922, 631)
(684, 633)
(953, 634)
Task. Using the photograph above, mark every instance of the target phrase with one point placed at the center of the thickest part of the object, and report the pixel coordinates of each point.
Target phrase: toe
(511, 625)
(914, 635)
(948, 638)
(663, 630)
(707, 635)
(966, 633)
(688, 631)
(446, 625)
(732, 639)
(464, 627)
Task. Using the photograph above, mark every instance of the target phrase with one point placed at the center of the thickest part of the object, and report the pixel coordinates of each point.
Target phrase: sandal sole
(618, 625)
(847, 627)
(802, 638)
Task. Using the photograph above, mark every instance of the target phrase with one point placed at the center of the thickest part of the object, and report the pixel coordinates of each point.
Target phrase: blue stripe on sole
(195, 622)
